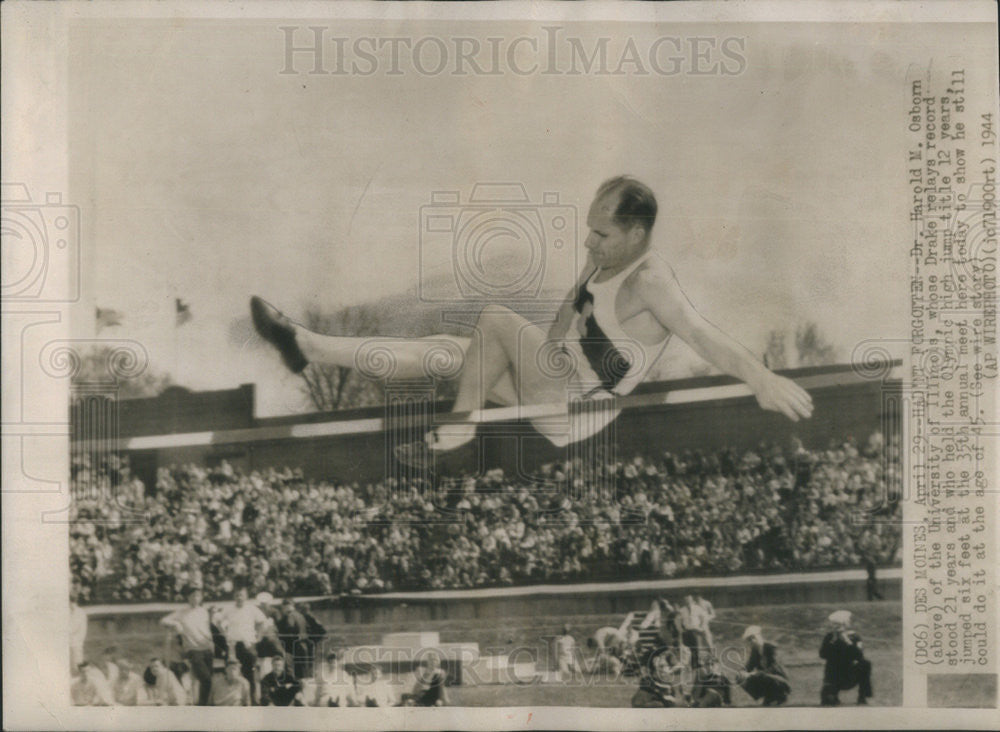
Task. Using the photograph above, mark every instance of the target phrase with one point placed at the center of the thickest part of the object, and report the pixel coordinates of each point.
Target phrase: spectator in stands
(334, 686)
(846, 665)
(711, 688)
(280, 688)
(674, 515)
(372, 689)
(162, 687)
(764, 678)
(230, 689)
(871, 581)
(193, 625)
(566, 655)
(182, 671)
(270, 643)
(429, 684)
(91, 688)
(608, 645)
(242, 625)
(692, 622)
(220, 648)
(108, 664)
(709, 613)
(128, 688)
(293, 631)
(657, 686)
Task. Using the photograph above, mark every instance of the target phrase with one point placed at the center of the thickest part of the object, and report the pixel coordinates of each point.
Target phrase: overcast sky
(204, 174)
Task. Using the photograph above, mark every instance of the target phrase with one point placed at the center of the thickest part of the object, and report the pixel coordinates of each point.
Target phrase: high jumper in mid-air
(611, 328)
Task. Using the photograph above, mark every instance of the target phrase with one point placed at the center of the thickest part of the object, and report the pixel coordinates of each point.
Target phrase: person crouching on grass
(280, 688)
(657, 688)
(846, 665)
(230, 689)
(128, 687)
(429, 687)
(334, 686)
(711, 687)
(372, 689)
(162, 687)
(764, 677)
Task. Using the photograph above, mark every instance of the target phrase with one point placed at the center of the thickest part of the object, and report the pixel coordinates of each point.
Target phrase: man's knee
(494, 316)
(494, 309)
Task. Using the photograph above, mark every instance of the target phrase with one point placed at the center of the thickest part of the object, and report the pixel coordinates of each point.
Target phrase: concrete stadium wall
(407, 610)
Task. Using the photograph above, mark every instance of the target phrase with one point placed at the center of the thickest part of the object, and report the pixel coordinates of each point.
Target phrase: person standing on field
(193, 625)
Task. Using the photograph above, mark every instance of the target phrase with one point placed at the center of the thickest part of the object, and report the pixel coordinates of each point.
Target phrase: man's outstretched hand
(779, 394)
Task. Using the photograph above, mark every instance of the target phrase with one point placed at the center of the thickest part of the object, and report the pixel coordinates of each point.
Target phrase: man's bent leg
(505, 349)
(375, 357)
(503, 360)
(380, 358)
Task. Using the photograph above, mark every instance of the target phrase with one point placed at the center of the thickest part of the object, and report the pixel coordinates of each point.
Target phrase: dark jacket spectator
(293, 631)
(846, 665)
(280, 688)
(711, 688)
(765, 678)
(429, 687)
(658, 687)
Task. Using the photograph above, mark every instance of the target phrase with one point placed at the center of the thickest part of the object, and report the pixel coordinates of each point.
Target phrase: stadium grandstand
(215, 510)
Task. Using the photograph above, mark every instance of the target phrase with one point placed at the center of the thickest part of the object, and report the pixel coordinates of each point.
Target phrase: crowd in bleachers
(669, 515)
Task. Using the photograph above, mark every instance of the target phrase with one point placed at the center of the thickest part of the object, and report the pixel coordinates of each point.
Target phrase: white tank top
(612, 360)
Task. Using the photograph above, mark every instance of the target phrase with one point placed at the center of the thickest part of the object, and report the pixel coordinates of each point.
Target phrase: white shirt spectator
(692, 618)
(92, 689)
(130, 690)
(193, 626)
(566, 654)
(242, 624)
(168, 690)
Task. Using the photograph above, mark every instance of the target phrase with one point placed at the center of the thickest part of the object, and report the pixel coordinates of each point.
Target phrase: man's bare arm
(662, 294)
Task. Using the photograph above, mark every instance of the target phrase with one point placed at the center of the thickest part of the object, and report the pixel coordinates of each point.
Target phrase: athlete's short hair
(636, 202)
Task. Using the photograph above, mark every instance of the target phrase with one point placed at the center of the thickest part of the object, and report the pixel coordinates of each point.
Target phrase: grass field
(796, 629)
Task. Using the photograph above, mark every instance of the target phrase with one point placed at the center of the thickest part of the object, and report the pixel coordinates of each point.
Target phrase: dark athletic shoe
(277, 330)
